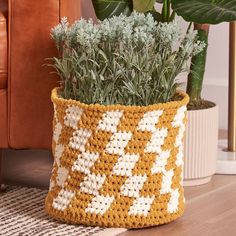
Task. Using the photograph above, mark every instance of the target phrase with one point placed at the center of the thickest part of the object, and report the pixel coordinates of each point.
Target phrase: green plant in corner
(202, 13)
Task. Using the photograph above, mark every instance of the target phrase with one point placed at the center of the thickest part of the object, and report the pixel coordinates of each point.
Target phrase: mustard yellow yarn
(117, 166)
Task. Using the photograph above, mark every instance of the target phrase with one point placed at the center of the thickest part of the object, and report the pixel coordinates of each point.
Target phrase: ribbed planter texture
(117, 166)
(201, 143)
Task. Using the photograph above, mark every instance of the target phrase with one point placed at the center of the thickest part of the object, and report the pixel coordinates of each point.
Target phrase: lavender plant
(130, 60)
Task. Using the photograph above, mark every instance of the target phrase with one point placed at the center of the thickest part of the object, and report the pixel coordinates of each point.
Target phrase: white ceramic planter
(201, 142)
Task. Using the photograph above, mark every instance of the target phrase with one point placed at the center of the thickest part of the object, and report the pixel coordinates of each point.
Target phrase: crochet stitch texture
(117, 166)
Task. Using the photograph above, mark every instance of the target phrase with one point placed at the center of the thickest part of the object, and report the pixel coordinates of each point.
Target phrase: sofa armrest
(30, 83)
(70, 9)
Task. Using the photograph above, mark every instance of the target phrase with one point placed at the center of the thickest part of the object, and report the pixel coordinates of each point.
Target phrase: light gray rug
(22, 214)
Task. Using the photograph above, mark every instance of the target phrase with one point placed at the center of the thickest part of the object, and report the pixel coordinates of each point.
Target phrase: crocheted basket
(117, 166)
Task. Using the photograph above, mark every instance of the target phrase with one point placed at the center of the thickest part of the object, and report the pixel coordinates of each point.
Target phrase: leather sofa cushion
(29, 82)
(3, 118)
(3, 44)
(30, 110)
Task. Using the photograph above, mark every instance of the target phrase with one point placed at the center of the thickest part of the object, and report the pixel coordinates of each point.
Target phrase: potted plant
(119, 121)
(202, 130)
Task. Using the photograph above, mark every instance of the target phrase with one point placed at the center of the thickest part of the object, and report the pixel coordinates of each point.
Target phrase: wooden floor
(210, 210)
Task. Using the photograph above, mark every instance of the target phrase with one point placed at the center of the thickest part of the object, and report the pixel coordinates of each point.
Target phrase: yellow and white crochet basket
(117, 166)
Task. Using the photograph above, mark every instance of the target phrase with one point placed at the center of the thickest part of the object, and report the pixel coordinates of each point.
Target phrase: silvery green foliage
(122, 60)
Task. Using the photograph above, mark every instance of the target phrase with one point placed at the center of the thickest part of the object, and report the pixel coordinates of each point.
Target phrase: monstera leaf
(108, 8)
(206, 11)
(143, 6)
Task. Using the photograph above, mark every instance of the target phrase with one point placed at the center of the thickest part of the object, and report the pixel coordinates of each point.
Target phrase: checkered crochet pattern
(117, 166)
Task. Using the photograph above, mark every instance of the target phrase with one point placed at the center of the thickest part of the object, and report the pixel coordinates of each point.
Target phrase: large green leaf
(108, 8)
(143, 5)
(206, 11)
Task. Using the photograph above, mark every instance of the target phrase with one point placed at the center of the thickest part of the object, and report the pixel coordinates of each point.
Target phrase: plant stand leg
(226, 163)
(232, 90)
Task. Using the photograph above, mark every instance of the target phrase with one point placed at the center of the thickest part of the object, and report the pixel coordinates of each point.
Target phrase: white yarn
(179, 122)
(173, 204)
(59, 149)
(84, 162)
(179, 117)
(73, 114)
(125, 164)
(141, 206)
(118, 142)
(160, 162)
(61, 202)
(100, 204)
(57, 132)
(62, 174)
(92, 183)
(157, 140)
(133, 185)
(167, 182)
(79, 139)
(110, 121)
(149, 121)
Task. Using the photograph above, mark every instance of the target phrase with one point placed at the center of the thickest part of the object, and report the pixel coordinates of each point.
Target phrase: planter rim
(203, 110)
(173, 104)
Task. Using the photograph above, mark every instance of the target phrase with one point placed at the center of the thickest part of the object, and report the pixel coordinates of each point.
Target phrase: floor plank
(27, 167)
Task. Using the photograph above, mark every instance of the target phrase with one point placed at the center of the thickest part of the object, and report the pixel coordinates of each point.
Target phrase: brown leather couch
(25, 84)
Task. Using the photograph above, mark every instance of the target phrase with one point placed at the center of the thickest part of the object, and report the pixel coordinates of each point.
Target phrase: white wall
(216, 77)
(217, 61)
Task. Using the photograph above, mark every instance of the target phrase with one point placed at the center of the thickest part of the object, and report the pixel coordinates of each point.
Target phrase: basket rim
(173, 104)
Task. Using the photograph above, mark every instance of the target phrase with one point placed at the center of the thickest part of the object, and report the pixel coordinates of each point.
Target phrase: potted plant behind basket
(202, 129)
(119, 122)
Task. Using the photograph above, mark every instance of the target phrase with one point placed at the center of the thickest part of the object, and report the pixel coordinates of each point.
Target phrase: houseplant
(202, 130)
(119, 121)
